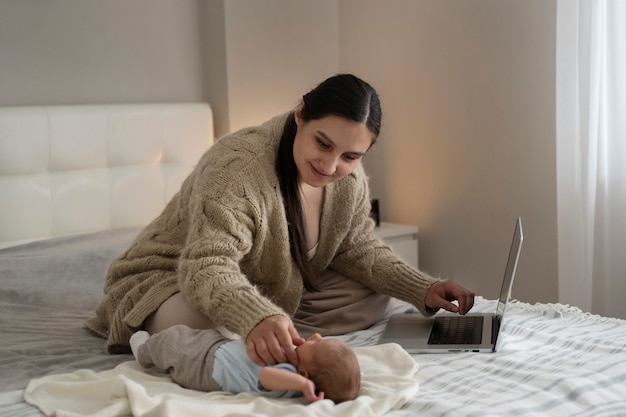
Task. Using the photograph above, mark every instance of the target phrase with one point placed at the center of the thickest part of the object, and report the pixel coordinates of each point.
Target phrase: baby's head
(332, 366)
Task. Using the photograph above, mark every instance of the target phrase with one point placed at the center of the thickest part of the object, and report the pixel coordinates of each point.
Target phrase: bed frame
(67, 170)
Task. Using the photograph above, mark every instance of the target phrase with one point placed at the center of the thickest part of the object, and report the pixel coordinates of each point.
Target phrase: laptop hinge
(495, 328)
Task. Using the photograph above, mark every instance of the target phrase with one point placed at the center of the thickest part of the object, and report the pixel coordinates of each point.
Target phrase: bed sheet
(551, 360)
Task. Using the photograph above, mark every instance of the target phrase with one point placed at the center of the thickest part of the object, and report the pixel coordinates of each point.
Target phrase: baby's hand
(308, 389)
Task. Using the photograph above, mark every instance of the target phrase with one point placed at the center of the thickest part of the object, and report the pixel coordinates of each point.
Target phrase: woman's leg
(177, 310)
(341, 306)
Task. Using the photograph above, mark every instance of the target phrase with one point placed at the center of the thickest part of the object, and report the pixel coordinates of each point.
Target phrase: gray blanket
(48, 289)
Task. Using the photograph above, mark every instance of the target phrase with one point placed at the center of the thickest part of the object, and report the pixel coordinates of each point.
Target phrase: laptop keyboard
(456, 330)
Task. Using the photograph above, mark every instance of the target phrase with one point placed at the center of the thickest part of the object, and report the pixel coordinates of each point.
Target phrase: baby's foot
(138, 339)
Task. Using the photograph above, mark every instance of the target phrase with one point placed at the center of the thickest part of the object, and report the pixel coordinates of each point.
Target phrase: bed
(68, 175)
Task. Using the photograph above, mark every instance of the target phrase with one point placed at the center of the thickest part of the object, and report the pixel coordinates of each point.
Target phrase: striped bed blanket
(551, 360)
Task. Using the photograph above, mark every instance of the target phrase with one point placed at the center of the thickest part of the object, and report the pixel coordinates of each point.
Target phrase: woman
(273, 223)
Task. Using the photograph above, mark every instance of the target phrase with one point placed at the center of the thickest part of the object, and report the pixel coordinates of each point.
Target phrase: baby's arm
(273, 379)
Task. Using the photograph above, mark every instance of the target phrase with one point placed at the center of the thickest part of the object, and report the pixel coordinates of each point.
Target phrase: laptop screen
(511, 266)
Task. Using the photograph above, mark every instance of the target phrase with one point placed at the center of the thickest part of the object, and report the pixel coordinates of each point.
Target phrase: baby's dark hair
(336, 372)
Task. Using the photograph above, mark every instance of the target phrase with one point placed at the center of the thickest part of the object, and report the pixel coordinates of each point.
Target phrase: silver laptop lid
(509, 272)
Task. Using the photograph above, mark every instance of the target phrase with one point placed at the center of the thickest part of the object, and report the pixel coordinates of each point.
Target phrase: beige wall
(214, 72)
(76, 51)
(468, 142)
(250, 59)
(276, 50)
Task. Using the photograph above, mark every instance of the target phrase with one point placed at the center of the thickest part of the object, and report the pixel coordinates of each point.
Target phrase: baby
(207, 361)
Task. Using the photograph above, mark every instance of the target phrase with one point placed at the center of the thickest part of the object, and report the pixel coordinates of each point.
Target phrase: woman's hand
(272, 341)
(442, 293)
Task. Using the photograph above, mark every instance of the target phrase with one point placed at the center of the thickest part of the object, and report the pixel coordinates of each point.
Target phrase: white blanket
(388, 382)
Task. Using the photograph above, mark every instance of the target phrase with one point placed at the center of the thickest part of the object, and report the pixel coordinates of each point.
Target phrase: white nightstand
(403, 240)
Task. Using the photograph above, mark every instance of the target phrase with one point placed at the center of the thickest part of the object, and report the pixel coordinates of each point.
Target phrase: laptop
(448, 332)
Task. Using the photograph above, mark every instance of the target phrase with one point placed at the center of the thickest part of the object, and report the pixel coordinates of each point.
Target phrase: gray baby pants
(187, 354)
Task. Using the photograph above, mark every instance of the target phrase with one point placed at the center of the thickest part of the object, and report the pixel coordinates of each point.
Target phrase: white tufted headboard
(68, 170)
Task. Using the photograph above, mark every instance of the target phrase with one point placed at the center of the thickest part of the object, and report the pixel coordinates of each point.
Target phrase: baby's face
(305, 350)
(313, 344)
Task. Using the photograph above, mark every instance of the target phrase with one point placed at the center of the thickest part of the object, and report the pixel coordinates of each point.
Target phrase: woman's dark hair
(342, 95)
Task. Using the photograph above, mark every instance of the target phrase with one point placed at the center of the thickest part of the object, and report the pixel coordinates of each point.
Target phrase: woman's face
(328, 149)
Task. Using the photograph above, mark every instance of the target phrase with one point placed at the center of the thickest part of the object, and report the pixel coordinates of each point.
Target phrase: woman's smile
(319, 174)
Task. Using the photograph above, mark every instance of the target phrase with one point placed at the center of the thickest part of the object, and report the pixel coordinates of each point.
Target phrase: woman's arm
(274, 379)
(369, 260)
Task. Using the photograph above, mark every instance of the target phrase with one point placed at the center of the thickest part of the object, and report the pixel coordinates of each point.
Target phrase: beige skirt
(341, 306)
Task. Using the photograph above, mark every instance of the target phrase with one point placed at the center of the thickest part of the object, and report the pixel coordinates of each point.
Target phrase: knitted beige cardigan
(223, 242)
